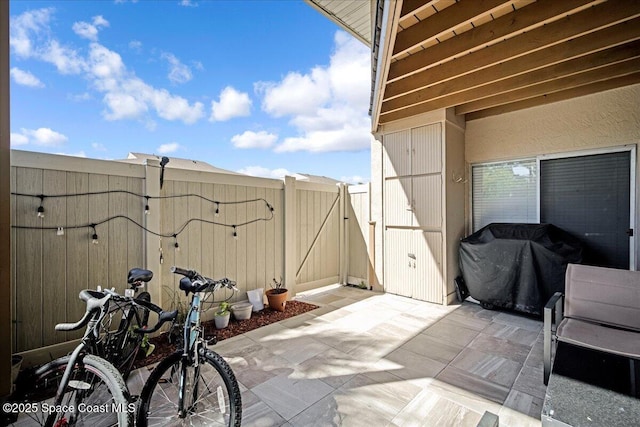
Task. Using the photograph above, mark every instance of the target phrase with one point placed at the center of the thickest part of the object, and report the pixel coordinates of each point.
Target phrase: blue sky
(260, 87)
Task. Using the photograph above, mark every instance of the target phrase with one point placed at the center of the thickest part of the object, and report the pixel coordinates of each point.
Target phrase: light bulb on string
(94, 237)
(41, 208)
(176, 245)
(146, 206)
(235, 233)
(217, 213)
(60, 231)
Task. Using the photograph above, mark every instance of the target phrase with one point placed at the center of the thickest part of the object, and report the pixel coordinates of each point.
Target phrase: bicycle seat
(139, 275)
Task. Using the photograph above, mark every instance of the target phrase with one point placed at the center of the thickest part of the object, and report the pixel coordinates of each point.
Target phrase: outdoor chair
(601, 312)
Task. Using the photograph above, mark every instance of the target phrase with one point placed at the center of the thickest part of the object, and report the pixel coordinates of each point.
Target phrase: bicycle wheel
(212, 396)
(127, 349)
(95, 395)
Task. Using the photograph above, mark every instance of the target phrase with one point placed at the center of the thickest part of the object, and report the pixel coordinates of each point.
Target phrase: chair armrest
(555, 304)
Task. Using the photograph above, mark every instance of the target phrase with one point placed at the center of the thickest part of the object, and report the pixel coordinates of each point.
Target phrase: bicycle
(194, 385)
(121, 346)
(83, 388)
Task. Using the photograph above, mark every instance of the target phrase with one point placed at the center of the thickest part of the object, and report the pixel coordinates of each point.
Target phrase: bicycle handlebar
(95, 300)
(207, 282)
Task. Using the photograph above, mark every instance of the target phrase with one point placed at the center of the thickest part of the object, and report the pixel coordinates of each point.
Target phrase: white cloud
(18, 139)
(232, 104)
(45, 137)
(327, 106)
(250, 139)
(171, 147)
(188, 3)
(135, 45)
(90, 31)
(296, 93)
(263, 172)
(98, 147)
(25, 78)
(125, 95)
(24, 27)
(178, 72)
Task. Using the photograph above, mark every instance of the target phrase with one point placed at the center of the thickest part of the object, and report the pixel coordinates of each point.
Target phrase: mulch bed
(257, 320)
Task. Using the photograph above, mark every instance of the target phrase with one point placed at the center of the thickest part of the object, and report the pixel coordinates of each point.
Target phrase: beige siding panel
(116, 231)
(135, 235)
(397, 202)
(208, 213)
(427, 201)
(427, 282)
(54, 283)
(397, 262)
(231, 269)
(252, 242)
(169, 292)
(426, 149)
(270, 238)
(397, 154)
(358, 234)
(28, 286)
(98, 211)
(241, 243)
(180, 217)
(77, 261)
(194, 229)
(14, 251)
(263, 279)
(277, 202)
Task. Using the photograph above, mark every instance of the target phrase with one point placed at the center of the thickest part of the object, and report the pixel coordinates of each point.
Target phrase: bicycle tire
(221, 406)
(128, 353)
(96, 395)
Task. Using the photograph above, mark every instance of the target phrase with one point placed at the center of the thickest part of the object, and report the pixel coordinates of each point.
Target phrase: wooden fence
(292, 229)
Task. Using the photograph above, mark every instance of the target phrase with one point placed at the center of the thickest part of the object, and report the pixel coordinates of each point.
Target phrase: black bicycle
(194, 386)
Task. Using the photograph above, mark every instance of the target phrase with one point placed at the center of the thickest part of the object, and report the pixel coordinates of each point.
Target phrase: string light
(94, 237)
(41, 208)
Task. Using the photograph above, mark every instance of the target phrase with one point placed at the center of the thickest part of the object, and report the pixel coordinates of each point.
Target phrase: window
(504, 192)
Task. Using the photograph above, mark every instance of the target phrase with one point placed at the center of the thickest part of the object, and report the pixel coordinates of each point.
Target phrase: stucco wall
(600, 120)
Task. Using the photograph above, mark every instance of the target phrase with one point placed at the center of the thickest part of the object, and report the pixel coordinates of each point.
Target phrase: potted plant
(277, 295)
(242, 310)
(222, 315)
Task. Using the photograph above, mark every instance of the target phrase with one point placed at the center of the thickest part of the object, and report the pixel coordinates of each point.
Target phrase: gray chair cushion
(603, 295)
(597, 337)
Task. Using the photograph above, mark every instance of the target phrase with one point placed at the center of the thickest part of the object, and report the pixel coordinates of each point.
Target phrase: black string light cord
(174, 235)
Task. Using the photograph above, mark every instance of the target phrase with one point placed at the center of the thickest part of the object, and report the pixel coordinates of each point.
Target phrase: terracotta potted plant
(277, 296)
(222, 315)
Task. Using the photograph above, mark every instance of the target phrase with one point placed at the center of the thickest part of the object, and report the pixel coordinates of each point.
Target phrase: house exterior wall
(594, 122)
(600, 120)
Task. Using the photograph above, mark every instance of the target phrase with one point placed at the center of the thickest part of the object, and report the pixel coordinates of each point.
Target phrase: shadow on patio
(365, 358)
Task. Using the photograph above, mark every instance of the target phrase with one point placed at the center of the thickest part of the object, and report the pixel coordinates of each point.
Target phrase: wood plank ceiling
(488, 57)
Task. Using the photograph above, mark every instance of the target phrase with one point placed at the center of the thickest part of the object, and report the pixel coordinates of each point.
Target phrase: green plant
(363, 285)
(147, 346)
(223, 309)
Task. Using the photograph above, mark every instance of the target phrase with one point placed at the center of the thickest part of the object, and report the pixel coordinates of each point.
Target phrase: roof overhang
(353, 16)
(490, 57)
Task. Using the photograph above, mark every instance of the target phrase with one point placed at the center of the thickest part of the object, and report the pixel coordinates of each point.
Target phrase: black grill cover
(517, 266)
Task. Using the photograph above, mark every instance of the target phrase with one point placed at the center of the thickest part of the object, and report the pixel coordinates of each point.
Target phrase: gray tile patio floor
(370, 359)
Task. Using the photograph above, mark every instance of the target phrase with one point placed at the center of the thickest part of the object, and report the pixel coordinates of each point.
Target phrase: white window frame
(631, 148)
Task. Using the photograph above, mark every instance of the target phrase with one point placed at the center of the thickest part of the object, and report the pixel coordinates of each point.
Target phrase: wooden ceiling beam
(411, 7)
(622, 35)
(623, 38)
(602, 86)
(532, 15)
(556, 85)
(592, 19)
(462, 12)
